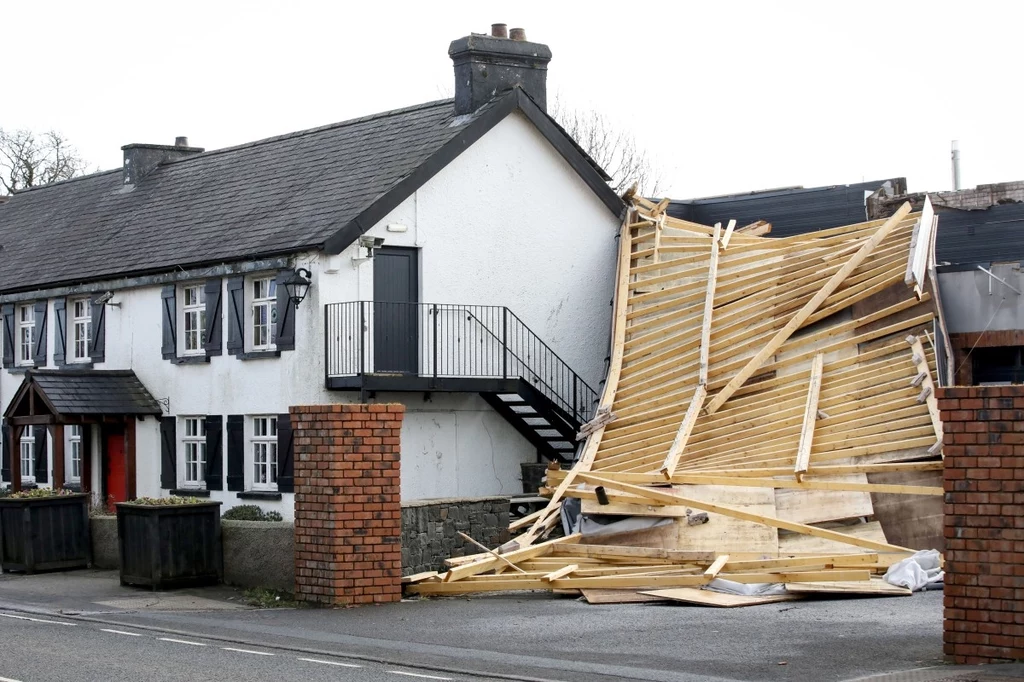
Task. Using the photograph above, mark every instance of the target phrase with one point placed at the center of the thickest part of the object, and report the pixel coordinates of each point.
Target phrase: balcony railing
(443, 340)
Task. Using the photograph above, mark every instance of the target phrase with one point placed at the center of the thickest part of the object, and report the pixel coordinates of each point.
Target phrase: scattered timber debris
(757, 388)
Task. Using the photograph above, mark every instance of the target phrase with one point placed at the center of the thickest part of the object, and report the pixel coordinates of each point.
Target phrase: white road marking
(35, 620)
(7, 679)
(247, 651)
(428, 677)
(340, 665)
(180, 641)
(121, 632)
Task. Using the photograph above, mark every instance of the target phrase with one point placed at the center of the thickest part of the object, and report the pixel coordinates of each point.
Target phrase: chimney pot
(499, 30)
(181, 141)
(517, 34)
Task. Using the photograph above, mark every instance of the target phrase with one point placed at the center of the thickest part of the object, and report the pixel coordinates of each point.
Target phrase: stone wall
(430, 529)
(347, 503)
(259, 554)
(983, 446)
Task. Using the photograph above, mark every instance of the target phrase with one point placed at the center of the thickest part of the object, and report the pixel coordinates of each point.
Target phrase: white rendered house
(459, 257)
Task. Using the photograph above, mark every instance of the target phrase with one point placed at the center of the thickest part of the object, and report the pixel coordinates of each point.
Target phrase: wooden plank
(716, 568)
(668, 468)
(618, 597)
(803, 450)
(739, 514)
(799, 543)
(623, 552)
(693, 595)
(757, 229)
(815, 506)
(489, 563)
(812, 305)
(875, 586)
(561, 573)
(728, 234)
(709, 305)
(921, 364)
(420, 577)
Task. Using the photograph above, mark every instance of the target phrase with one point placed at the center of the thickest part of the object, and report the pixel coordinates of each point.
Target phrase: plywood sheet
(910, 520)
(808, 544)
(875, 586)
(618, 597)
(692, 595)
(815, 506)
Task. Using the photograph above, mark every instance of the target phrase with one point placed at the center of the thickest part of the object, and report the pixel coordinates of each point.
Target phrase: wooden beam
(683, 434)
(715, 568)
(561, 573)
(489, 563)
(807, 310)
(728, 234)
(669, 498)
(709, 306)
(491, 552)
(803, 450)
(921, 364)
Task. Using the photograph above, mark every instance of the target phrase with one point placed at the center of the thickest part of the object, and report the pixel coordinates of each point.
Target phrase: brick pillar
(983, 444)
(348, 514)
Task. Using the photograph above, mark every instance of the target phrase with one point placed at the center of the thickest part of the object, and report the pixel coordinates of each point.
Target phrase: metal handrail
(411, 338)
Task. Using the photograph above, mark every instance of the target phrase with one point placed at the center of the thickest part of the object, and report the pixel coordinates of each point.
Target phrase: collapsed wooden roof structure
(782, 386)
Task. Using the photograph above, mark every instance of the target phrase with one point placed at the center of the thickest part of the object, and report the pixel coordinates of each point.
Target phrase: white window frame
(263, 455)
(76, 433)
(192, 310)
(262, 308)
(28, 444)
(80, 330)
(26, 336)
(193, 452)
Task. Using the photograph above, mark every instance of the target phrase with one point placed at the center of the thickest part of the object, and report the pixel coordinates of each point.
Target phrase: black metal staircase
(375, 346)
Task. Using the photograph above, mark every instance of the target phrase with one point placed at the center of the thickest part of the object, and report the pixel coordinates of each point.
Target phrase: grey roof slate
(275, 196)
(112, 392)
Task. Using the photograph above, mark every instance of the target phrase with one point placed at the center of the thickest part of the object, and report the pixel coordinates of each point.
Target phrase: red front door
(113, 468)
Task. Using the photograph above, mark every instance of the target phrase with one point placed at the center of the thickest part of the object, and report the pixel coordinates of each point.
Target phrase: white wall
(507, 223)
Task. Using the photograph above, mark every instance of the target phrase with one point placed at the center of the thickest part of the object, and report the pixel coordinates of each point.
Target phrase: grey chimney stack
(142, 159)
(488, 65)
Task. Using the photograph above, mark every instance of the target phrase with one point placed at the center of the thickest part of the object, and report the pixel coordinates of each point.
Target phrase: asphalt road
(56, 649)
(538, 637)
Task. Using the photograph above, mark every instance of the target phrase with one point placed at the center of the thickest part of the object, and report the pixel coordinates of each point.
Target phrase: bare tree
(613, 149)
(28, 159)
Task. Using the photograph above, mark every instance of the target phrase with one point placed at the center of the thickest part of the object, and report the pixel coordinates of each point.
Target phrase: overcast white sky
(729, 96)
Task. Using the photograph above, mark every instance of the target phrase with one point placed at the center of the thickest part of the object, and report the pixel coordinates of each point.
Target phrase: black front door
(395, 310)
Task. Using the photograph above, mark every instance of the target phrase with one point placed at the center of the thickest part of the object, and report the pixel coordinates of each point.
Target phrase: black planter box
(44, 533)
(169, 546)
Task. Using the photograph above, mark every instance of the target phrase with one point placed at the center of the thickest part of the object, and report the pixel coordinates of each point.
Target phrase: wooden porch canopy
(55, 398)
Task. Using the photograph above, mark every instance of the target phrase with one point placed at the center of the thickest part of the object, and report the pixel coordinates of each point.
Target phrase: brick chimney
(486, 65)
(142, 159)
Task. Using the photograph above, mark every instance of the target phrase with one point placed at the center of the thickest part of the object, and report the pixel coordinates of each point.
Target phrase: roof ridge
(35, 188)
(311, 131)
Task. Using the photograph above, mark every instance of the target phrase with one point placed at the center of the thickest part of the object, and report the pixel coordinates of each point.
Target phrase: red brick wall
(348, 513)
(984, 522)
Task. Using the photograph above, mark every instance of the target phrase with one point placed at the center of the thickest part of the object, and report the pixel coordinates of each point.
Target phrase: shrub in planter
(44, 530)
(251, 512)
(169, 542)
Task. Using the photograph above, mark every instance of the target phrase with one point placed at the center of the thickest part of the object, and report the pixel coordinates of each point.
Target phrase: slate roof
(113, 392)
(967, 239)
(791, 210)
(317, 188)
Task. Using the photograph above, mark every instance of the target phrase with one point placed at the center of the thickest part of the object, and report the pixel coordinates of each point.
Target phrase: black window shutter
(214, 451)
(214, 316)
(5, 457)
(236, 316)
(39, 357)
(98, 340)
(60, 340)
(285, 454)
(86, 453)
(236, 452)
(7, 312)
(169, 312)
(42, 464)
(284, 337)
(168, 453)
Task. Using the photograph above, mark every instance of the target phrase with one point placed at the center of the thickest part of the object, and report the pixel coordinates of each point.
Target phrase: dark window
(998, 365)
